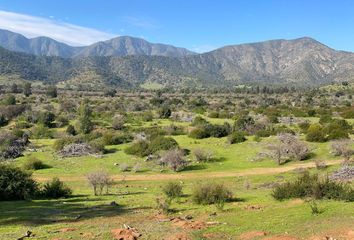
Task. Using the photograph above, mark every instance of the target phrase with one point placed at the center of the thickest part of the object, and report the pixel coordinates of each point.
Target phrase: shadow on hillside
(57, 211)
(194, 167)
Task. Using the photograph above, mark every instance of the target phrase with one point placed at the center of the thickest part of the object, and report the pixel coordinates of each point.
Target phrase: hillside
(301, 61)
(119, 46)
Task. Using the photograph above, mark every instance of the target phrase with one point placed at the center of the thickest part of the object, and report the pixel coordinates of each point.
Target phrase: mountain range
(119, 46)
(131, 62)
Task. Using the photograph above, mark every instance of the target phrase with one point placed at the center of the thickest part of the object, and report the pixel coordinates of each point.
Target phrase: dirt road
(199, 175)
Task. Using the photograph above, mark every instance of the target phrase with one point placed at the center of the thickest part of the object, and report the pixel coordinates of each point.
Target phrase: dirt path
(199, 175)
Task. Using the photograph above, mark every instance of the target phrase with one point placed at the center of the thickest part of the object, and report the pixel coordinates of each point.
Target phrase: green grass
(136, 199)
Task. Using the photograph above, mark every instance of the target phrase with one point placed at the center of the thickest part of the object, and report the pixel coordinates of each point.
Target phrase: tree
(16, 184)
(174, 159)
(14, 88)
(110, 92)
(27, 89)
(85, 115)
(342, 148)
(99, 180)
(164, 112)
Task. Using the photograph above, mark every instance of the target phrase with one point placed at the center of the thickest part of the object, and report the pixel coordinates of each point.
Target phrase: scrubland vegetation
(212, 163)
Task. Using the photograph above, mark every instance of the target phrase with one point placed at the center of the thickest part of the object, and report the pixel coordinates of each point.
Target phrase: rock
(188, 217)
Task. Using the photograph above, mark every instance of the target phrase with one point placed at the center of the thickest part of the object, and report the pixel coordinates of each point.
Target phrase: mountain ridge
(118, 46)
(303, 61)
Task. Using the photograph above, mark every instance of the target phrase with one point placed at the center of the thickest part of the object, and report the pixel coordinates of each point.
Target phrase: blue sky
(194, 24)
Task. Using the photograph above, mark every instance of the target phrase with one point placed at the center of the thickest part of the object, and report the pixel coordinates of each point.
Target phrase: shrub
(97, 145)
(10, 100)
(112, 138)
(59, 144)
(71, 130)
(32, 163)
(307, 185)
(315, 133)
(174, 159)
(41, 131)
(236, 137)
(198, 133)
(198, 121)
(202, 155)
(174, 130)
(139, 148)
(164, 112)
(342, 148)
(62, 121)
(124, 167)
(162, 143)
(211, 193)
(55, 189)
(173, 190)
(16, 184)
(147, 116)
(118, 122)
(3, 121)
(163, 205)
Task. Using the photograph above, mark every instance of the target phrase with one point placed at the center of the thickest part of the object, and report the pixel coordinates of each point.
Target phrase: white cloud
(31, 26)
(140, 22)
(203, 48)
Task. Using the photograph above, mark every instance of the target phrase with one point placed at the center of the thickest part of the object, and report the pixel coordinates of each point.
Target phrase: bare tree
(343, 148)
(99, 180)
(289, 147)
(118, 122)
(203, 155)
(294, 148)
(174, 159)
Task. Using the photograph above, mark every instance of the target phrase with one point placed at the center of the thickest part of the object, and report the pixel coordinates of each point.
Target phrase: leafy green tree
(27, 89)
(16, 184)
(85, 116)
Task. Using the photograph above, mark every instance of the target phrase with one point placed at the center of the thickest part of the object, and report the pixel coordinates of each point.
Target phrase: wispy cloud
(203, 48)
(141, 22)
(31, 26)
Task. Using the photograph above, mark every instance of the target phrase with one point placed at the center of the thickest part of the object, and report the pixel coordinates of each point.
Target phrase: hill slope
(119, 46)
(301, 61)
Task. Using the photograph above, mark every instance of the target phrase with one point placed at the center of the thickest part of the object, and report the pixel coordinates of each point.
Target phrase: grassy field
(252, 211)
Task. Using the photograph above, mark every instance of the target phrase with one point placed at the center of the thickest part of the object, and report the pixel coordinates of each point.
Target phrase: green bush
(236, 137)
(32, 163)
(71, 130)
(308, 185)
(59, 144)
(198, 133)
(41, 131)
(315, 133)
(211, 193)
(16, 184)
(173, 190)
(138, 148)
(55, 189)
(162, 143)
(112, 138)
